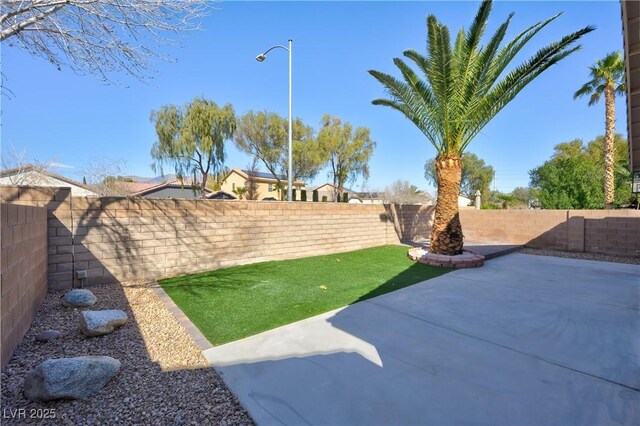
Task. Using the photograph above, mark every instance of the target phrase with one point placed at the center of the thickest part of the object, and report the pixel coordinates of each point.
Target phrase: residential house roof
(7, 173)
(220, 195)
(262, 176)
(133, 187)
(343, 189)
(31, 167)
(371, 195)
(176, 185)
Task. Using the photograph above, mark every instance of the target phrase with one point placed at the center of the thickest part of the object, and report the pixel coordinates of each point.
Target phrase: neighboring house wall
(35, 178)
(464, 201)
(24, 270)
(266, 187)
(328, 190)
(235, 180)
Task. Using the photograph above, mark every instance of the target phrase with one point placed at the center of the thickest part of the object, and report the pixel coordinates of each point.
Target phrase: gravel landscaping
(164, 378)
(584, 256)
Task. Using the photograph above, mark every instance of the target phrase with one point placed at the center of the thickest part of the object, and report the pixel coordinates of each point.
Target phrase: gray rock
(79, 298)
(69, 378)
(46, 336)
(97, 323)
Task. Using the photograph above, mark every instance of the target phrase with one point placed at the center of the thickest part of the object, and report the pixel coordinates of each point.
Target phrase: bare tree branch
(98, 37)
(17, 160)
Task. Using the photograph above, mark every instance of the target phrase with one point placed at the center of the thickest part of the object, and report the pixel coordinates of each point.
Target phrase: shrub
(345, 197)
(338, 198)
(315, 195)
(293, 195)
(324, 198)
(303, 195)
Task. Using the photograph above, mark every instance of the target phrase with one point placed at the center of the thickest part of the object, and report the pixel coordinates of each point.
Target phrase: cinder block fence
(615, 232)
(118, 239)
(23, 278)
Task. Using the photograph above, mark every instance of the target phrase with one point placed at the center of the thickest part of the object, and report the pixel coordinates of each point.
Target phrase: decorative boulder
(97, 323)
(46, 336)
(69, 378)
(79, 298)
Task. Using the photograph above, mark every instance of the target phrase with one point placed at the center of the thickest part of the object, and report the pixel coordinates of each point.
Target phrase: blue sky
(70, 119)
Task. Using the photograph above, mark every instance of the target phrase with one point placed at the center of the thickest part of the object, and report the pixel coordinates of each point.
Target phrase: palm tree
(465, 85)
(607, 76)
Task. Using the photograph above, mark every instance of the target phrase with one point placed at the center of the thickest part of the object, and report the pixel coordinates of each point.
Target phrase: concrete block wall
(412, 222)
(611, 233)
(23, 277)
(57, 202)
(126, 238)
(614, 232)
(535, 228)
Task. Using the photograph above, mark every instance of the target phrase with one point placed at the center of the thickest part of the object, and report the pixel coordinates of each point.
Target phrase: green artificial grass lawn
(229, 304)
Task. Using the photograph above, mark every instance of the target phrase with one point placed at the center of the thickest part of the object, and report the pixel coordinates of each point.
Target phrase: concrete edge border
(196, 335)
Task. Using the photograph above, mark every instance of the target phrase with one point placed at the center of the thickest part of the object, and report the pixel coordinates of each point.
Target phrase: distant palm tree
(240, 192)
(607, 76)
(465, 85)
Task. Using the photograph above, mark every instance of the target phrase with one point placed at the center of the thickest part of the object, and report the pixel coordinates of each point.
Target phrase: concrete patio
(523, 340)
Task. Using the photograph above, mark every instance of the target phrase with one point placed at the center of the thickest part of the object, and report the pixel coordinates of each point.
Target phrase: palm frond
(462, 87)
(607, 72)
(595, 97)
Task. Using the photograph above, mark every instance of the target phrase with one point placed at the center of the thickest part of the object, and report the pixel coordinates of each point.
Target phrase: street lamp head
(261, 57)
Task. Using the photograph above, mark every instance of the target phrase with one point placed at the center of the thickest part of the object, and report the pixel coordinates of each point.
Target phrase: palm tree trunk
(446, 234)
(610, 124)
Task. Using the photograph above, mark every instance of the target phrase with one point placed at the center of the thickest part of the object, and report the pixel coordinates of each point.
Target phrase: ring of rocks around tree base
(69, 378)
(98, 323)
(468, 258)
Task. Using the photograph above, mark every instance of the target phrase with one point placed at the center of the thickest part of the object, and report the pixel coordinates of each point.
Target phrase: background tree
(571, 179)
(476, 175)
(264, 135)
(465, 85)
(240, 192)
(348, 151)
(252, 183)
(402, 192)
(214, 179)
(525, 197)
(98, 36)
(607, 76)
(192, 138)
(104, 176)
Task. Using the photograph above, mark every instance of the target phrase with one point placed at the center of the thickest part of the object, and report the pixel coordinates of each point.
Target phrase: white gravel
(164, 378)
(585, 256)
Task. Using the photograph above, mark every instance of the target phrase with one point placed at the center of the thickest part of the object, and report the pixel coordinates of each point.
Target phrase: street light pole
(290, 188)
(261, 57)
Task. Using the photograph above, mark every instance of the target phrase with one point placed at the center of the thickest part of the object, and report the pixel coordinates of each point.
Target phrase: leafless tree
(103, 176)
(402, 192)
(17, 160)
(98, 36)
